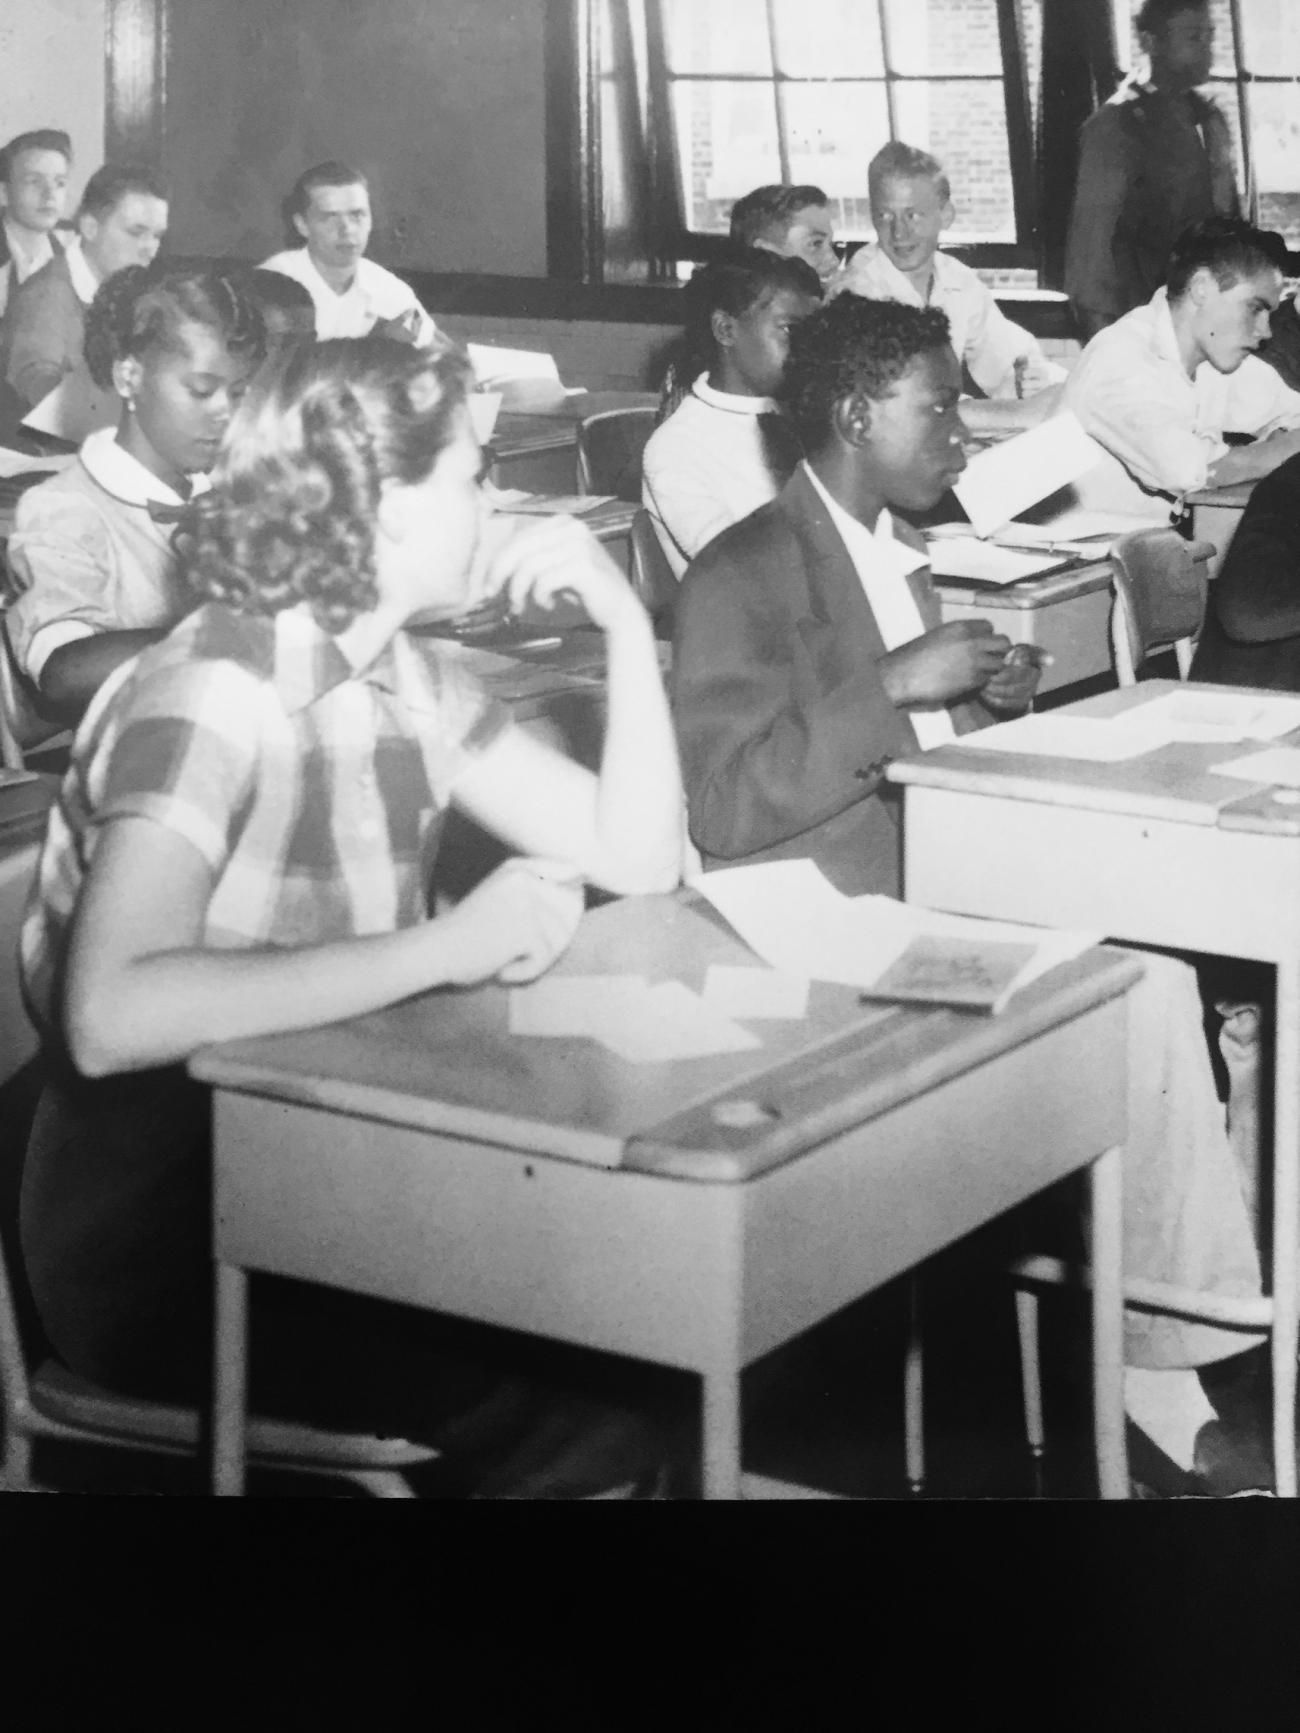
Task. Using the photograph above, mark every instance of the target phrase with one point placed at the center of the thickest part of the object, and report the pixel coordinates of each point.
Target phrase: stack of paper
(796, 920)
(523, 377)
(1193, 718)
(1007, 478)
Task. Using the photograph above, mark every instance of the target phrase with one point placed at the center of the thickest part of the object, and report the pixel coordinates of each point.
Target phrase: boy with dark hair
(1155, 159)
(1161, 387)
(808, 653)
(328, 207)
(792, 221)
(33, 189)
(121, 221)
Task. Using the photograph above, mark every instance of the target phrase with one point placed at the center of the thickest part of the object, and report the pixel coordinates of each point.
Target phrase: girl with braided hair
(92, 547)
(244, 843)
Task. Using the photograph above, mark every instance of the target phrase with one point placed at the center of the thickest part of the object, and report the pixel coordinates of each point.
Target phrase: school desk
(24, 803)
(537, 448)
(1066, 613)
(1156, 850)
(695, 1214)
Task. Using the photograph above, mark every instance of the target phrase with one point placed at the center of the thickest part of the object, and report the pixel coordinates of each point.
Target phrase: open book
(526, 378)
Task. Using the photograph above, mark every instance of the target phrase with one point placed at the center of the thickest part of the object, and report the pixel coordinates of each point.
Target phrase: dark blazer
(1251, 635)
(784, 726)
(44, 325)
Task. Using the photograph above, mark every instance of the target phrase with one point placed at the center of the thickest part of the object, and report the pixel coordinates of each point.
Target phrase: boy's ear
(948, 215)
(852, 418)
(1199, 286)
(723, 326)
(299, 223)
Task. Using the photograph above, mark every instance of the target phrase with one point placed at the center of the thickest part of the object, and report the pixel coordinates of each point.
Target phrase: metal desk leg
(1106, 1186)
(230, 1395)
(1286, 1223)
(722, 1434)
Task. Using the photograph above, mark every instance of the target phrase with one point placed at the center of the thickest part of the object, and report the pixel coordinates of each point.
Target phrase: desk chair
(652, 576)
(52, 1403)
(610, 445)
(1161, 586)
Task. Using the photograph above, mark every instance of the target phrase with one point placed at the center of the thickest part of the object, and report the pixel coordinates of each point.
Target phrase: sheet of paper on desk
(1211, 717)
(984, 562)
(1005, 479)
(638, 1022)
(494, 367)
(1276, 767)
(1095, 740)
(794, 918)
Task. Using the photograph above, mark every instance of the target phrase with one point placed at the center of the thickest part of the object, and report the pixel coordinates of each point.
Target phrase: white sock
(1170, 1407)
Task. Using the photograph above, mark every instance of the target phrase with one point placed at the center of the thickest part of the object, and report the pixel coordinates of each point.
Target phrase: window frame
(574, 74)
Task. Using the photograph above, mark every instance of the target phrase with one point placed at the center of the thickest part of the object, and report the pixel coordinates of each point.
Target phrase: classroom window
(809, 90)
(1255, 80)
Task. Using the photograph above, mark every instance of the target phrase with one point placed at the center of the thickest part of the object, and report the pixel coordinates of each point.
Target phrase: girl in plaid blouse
(243, 845)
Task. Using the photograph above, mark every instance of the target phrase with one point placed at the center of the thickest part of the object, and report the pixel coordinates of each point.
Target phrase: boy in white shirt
(911, 206)
(330, 208)
(34, 171)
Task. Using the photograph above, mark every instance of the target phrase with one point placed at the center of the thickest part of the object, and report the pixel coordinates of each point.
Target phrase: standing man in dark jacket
(1153, 161)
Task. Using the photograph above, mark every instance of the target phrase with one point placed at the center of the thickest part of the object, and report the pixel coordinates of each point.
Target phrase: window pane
(828, 38)
(834, 131)
(1271, 37)
(726, 144)
(943, 36)
(1275, 133)
(721, 36)
(964, 124)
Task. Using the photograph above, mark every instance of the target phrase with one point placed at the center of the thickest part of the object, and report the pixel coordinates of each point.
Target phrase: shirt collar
(905, 289)
(306, 662)
(728, 400)
(84, 280)
(327, 290)
(1166, 338)
(887, 554)
(113, 468)
(31, 259)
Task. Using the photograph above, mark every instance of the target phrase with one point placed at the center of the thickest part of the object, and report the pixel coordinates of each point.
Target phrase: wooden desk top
(445, 1062)
(1172, 782)
(1236, 494)
(1044, 592)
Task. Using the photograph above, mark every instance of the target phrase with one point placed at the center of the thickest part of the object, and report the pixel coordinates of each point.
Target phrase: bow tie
(168, 514)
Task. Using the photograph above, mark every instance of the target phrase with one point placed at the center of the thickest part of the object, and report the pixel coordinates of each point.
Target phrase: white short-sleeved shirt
(374, 294)
(1161, 429)
(704, 469)
(986, 341)
(88, 557)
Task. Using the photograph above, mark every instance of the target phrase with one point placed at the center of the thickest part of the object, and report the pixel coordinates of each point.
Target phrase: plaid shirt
(313, 791)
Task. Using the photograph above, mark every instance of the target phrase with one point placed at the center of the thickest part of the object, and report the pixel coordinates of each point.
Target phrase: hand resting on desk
(516, 923)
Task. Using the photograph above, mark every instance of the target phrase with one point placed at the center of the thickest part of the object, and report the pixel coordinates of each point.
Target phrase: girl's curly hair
(292, 511)
(139, 311)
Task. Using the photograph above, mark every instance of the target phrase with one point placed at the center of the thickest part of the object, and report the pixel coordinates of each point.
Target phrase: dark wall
(440, 102)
